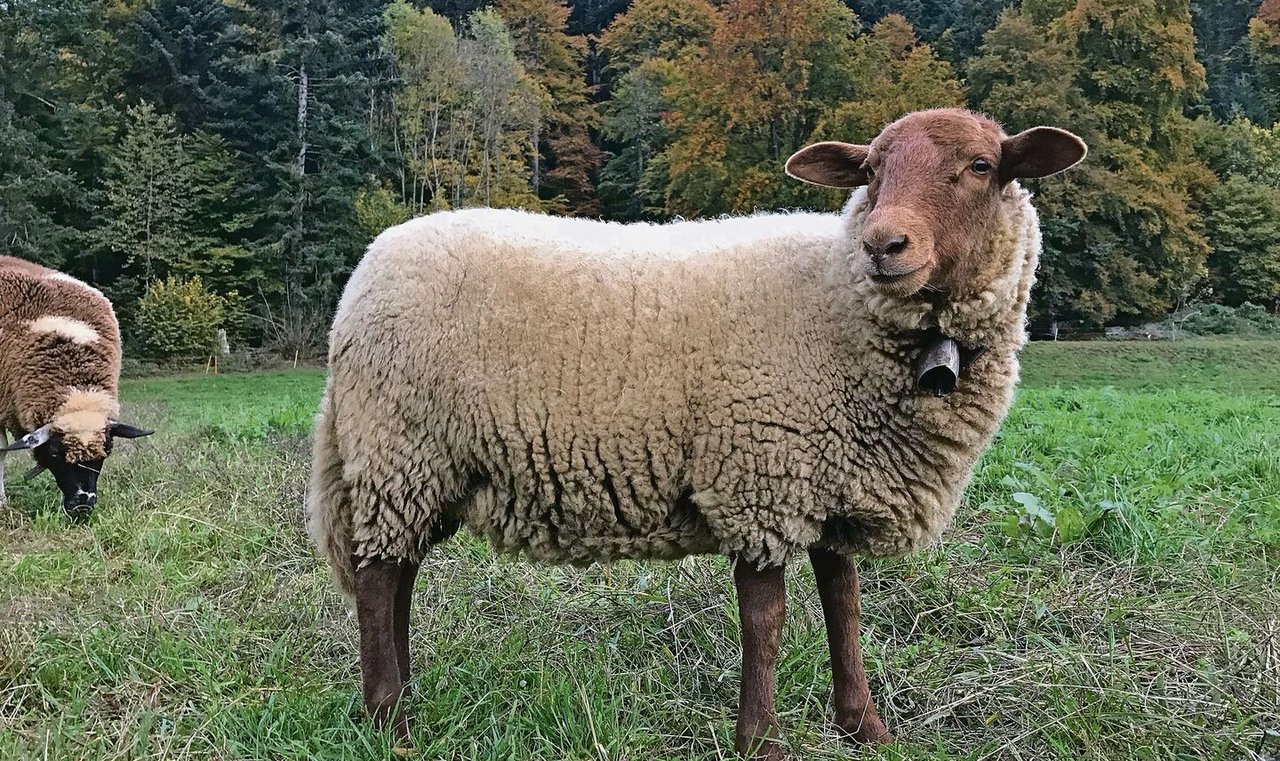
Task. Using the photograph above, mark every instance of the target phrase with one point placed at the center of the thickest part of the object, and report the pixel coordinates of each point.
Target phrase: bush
(299, 328)
(181, 318)
(1219, 320)
(377, 209)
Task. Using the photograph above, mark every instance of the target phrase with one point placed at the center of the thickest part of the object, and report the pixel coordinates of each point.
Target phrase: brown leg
(377, 582)
(404, 603)
(762, 606)
(838, 587)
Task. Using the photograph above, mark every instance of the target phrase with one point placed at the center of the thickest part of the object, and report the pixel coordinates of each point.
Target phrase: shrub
(377, 209)
(1217, 320)
(180, 318)
(299, 328)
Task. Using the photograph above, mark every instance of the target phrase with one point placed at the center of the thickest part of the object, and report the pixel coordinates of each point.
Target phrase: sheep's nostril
(875, 252)
(895, 245)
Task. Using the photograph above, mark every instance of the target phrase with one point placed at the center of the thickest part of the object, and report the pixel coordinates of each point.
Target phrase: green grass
(190, 618)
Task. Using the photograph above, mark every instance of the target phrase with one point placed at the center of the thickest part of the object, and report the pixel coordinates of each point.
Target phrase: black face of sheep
(74, 464)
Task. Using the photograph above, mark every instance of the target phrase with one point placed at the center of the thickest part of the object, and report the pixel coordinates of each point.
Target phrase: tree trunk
(537, 158)
(300, 165)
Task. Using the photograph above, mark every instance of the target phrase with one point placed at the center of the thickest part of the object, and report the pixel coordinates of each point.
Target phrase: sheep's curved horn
(32, 440)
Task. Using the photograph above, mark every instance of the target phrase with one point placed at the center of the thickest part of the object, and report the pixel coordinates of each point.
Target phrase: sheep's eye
(871, 172)
(980, 166)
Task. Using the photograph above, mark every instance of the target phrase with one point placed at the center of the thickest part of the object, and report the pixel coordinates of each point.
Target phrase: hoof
(760, 747)
(765, 751)
(864, 729)
(394, 717)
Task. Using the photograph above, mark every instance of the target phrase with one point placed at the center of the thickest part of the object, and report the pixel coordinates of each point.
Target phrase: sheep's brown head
(935, 180)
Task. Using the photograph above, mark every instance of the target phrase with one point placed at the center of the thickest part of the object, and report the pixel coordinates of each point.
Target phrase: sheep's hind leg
(837, 578)
(377, 587)
(404, 604)
(4, 442)
(762, 607)
(444, 528)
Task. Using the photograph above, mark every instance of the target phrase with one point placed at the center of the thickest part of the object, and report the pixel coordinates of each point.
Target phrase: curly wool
(59, 357)
(581, 391)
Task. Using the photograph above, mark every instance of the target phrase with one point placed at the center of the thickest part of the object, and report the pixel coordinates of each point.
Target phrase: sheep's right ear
(831, 164)
(1039, 152)
(36, 438)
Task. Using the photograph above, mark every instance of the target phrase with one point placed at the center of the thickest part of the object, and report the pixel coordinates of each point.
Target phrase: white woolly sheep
(59, 371)
(580, 391)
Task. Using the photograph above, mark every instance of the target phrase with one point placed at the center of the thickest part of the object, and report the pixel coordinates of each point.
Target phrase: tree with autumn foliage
(567, 160)
(751, 97)
(892, 74)
(277, 139)
(463, 115)
(1122, 236)
(642, 47)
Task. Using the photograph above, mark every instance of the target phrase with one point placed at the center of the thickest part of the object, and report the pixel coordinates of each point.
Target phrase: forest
(223, 163)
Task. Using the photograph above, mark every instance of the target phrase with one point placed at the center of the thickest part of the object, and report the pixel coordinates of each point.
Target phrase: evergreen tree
(591, 17)
(294, 94)
(53, 126)
(149, 202)
(972, 19)
(1264, 45)
(170, 49)
(1222, 45)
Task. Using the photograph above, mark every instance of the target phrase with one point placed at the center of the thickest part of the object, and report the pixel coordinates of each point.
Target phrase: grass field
(1111, 591)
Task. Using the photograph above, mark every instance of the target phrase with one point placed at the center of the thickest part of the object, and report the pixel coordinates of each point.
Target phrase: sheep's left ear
(126, 431)
(1039, 152)
(831, 164)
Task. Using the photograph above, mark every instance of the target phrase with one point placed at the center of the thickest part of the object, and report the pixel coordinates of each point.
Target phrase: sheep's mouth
(894, 278)
(882, 278)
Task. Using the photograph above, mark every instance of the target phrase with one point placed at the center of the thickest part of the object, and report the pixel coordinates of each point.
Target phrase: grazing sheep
(581, 391)
(59, 369)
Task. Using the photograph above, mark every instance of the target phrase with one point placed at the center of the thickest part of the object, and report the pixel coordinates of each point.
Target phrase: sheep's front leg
(762, 606)
(377, 584)
(837, 578)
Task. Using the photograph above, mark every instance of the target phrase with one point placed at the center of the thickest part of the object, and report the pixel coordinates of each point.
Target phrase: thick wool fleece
(582, 391)
(59, 357)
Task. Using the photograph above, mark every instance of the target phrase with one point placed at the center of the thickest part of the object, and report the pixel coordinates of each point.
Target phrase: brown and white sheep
(59, 372)
(581, 391)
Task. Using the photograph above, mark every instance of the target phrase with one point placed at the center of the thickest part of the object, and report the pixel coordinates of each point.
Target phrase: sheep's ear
(36, 438)
(1039, 152)
(126, 431)
(831, 164)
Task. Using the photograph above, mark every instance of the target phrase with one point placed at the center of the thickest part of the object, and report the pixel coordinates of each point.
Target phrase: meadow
(1111, 591)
